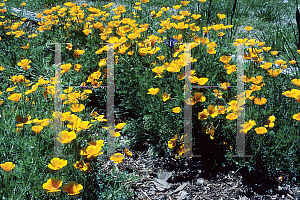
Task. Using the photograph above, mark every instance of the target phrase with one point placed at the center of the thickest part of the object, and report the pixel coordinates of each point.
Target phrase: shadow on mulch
(187, 171)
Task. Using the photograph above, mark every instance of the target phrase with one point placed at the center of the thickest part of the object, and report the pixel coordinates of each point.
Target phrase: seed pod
(298, 25)
(233, 10)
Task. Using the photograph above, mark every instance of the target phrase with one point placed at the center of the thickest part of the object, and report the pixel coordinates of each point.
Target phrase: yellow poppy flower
(86, 31)
(78, 52)
(120, 126)
(185, 3)
(153, 91)
(15, 97)
(37, 129)
(211, 51)
(212, 45)
(266, 49)
(260, 101)
(97, 143)
(77, 107)
(221, 16)
(296, 116)
(57, 163)
(221, 34)
(52, 185)
(158, 70)
(165, 96)
(26, 47)
(274, 53)
(225, 59)
(261, 130)
(66, 67)
(91, 151)
(117, 157)
(66, 136)
(231, 116)
(176, 7)
(248, 28)
(172, 142)
(24, 64)
(176, 110)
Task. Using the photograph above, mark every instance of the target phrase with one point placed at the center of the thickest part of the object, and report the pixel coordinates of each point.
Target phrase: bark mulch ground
(162, 179)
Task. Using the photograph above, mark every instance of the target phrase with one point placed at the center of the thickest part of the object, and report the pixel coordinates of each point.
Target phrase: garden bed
(150, 100)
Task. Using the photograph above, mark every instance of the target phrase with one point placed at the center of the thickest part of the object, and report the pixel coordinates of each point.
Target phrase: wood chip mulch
(157, 180)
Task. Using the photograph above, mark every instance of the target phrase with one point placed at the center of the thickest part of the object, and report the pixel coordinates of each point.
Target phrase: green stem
(208, 13)
(6, 183)
(273, 94)
(24, 95)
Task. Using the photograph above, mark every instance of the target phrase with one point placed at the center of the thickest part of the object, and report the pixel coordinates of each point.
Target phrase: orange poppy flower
(72, 188)
(7, 166)
(172, 142)
(127, 152)
(82, 166)
(203, 115)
